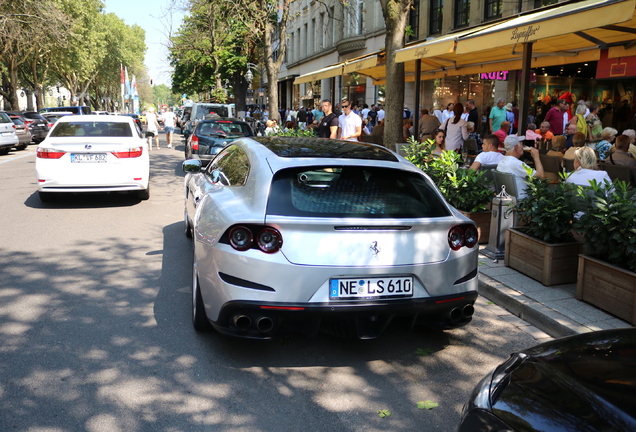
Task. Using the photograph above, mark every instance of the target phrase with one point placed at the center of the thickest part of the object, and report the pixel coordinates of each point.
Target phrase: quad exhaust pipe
(457, 314)
(244, 322)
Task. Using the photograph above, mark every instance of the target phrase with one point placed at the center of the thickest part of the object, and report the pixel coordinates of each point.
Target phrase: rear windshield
(219, 110)
(223, 129)
(92, 129)
(4, 118)
(353, 192)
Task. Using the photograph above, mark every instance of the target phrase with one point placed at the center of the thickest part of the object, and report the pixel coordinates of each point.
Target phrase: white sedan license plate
(88, 158)
(371, 288)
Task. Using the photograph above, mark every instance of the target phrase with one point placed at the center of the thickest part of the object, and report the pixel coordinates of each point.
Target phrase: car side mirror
(191, 166)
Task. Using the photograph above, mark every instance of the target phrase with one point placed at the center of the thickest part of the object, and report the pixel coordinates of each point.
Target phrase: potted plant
(543, 247)
(607, 270)
(464, 189)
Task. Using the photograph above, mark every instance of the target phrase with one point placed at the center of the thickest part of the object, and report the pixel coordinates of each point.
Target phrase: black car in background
(136, 119)
(38, 125)
(578, 383)
(211, 135)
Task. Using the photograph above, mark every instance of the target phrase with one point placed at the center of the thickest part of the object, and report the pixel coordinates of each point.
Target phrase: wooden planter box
(607, 287)
(482, 219)
(550, 264)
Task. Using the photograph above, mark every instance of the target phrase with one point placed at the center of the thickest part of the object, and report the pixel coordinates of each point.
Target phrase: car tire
(21, 146)
(4, 151)
(199, 318)
(144, 194)
(46, 196)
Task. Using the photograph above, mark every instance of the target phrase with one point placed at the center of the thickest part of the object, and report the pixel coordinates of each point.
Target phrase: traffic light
(150, 81)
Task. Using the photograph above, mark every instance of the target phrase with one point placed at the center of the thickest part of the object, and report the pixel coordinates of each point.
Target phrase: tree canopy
(70, 43)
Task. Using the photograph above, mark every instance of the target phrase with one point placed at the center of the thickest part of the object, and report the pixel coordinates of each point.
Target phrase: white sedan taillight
(46, 153)
(132, 153)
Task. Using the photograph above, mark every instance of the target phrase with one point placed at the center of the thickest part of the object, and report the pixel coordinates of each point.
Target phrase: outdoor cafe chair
(551, 167)
(568, 164)
(508, 180)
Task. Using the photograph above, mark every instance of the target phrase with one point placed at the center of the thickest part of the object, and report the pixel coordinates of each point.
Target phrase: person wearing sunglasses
(349, 123)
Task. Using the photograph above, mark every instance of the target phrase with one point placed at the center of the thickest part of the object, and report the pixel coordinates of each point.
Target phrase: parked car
(304, 234)
(578, 383)
(93, 153)
(23, 133)
(75, 109)
(136, 119)
(199, 111)
(210, 136)
(52, 117)
(8, 137)
(38, 125)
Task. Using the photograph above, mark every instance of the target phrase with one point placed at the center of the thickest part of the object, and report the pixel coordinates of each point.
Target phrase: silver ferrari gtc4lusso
(308, 235)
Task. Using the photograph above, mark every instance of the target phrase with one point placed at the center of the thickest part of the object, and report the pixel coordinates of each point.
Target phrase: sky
(159, 18)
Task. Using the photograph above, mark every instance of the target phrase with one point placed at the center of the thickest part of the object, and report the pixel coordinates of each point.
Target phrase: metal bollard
(502, 219)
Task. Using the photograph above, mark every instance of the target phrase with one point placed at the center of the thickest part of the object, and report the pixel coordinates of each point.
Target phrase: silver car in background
(308, 235)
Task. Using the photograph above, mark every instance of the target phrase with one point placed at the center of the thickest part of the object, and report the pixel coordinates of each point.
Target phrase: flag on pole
(133, 86)
(121, 73)
(127, 82)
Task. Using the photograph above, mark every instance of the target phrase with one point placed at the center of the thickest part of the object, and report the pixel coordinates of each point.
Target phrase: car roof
(308, 147)
(95, 118)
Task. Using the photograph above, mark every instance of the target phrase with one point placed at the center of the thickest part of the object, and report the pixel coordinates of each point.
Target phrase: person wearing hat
(510, 163)
(510, 116)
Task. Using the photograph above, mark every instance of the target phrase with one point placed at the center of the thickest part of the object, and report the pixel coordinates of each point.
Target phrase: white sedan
(93, 153)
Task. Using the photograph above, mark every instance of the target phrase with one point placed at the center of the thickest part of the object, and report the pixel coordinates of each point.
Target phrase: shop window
(493, 9)
(541, 3)
(414, 21)
(436, 16)
(462, 13)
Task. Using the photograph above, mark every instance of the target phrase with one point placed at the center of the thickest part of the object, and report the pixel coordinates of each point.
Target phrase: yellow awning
(541, 26)
(361, 64)
(328, 72)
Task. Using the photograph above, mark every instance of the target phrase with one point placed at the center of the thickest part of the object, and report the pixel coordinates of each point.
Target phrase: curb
(542, 317)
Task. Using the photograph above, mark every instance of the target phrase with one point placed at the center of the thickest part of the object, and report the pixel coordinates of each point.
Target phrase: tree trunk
(396, 14)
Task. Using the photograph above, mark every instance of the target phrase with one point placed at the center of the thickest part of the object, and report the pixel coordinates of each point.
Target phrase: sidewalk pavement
(553, 310)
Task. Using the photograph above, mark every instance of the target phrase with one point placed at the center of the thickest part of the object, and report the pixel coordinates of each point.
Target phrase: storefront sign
(501, 75)
(615, 67)
(421, 52)
(520, 35)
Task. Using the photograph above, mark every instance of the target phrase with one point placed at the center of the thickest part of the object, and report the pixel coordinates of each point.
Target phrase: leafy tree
(396, 13)
(26, 27)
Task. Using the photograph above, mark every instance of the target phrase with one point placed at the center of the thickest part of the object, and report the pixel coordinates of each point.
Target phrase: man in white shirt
(510, 163)
(365, 112)
(349, 123)
(168, 125)
(381, 114)
(490, 155)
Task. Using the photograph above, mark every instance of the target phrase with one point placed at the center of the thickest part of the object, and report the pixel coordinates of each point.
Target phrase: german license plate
(370, 288)
(88, 157)
(6, 133)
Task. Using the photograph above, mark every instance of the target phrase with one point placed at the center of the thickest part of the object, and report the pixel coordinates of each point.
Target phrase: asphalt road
(95, 333)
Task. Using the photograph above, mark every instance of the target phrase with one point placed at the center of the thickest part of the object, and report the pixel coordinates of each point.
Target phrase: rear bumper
(362, 320)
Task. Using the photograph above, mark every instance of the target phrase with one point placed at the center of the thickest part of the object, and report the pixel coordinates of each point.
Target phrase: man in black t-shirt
(329, 123)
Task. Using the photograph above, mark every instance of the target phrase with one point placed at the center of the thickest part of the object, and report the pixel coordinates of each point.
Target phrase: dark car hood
(581, 383)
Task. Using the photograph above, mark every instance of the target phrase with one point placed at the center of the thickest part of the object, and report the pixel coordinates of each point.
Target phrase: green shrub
(547, 211)
(464, 189)
(293, 133)
(608, 224)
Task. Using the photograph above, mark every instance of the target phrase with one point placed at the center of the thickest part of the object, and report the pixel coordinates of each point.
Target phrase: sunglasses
(345, 106)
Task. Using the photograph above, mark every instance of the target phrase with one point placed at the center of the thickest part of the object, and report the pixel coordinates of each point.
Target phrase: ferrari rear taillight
(46, 153)
(244, 237)
(194, 143)
(462, 235)
(132, 153)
